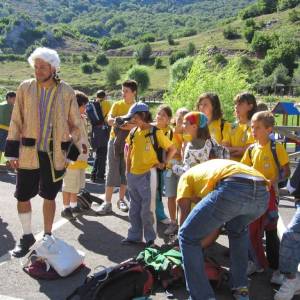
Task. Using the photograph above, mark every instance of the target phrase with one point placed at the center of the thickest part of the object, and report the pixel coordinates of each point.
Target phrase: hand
(160, 166)
(84, 149)
(14, 164)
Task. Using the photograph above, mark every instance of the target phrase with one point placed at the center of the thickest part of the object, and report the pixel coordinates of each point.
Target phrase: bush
(260, 43)
(84, 57)
(141, 76)
(158, 63)
(191, 49)
(148, 38)
(87, 68)
(249, 34)
(112, 75)
(294, 16)
(175, 56)
(230, 33)
(179, 70)
(101, 59)
(111, 44)
(170, 39)
(220, 59)
(143, 53)
(286, 4)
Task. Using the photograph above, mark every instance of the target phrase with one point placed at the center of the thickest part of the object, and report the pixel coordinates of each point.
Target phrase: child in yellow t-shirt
(271, 159)
(74, 179)
(141, 163)
(209, 104)
(240, 136)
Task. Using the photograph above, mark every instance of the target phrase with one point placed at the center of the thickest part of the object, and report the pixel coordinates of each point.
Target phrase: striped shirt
(46, 101)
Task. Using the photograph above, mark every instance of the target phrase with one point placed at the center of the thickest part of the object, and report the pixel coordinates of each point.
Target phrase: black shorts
(38, 181)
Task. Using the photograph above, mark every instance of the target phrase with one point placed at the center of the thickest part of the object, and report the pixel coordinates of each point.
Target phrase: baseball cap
(137, 107)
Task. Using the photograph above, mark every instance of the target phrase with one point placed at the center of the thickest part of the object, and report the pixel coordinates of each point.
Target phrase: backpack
(122, 282)
(85, 199)
(94, 113)
(218, 151)
(282, 180)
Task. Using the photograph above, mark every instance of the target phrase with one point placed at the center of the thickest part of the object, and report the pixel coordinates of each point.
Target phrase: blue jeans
(234, 203)
(289, 253)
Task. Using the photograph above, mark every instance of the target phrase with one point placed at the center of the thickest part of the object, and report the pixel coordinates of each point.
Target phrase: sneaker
(104, 209)
(241, 293)
(122, 206)
(288, 289)
(67, 213)
(24, 245)
(253, 268)
(277, 278)
(172, 228)
(127, 241)
(76, 211)
(165, 221)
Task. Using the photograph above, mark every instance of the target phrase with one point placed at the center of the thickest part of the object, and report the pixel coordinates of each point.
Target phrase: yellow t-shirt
(262, 159)
(105, 106)
(215, 131)
(198, 181)
(119, 108)
(240, 136)
(143, 156)
(177, 141)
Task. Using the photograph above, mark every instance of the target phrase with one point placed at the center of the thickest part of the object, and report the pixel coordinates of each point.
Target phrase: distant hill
(110, 23)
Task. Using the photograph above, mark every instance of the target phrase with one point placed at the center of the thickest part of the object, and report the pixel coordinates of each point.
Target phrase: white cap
(48, 55)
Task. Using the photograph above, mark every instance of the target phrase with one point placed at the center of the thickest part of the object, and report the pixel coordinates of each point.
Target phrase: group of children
(157, 152)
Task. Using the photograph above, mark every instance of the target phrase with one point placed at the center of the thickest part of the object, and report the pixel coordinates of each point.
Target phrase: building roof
(285, 108)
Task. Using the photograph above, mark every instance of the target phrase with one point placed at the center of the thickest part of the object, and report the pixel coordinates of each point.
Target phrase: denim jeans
(234, 203)
(289, 253)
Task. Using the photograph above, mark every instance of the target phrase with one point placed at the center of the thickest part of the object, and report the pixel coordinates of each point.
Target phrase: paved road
(99, 237)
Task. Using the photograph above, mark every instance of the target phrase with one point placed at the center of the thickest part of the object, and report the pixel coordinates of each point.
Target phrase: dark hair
(101, 94)
(131, 84)
(10, 94)
(203, 133)
(262, 107)
(81, 97)
(167, 109)
(215, 102)
(145, 116)
(250, 99)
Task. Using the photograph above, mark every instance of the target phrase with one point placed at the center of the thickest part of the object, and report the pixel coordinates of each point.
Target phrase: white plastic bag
(62, 257)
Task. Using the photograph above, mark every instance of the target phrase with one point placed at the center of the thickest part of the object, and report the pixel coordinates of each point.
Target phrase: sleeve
(246, 158)
(106, 109)
(226, 132)
(184, 189)
(282, 155)
(163, 141)
(250, 137)
(15, 127)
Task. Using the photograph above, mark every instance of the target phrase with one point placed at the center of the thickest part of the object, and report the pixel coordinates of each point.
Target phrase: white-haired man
(45, 119)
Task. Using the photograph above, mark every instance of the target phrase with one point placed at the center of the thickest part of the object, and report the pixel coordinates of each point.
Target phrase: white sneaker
(277, 278)
(289, 289)
(253, 268)
(104, 209)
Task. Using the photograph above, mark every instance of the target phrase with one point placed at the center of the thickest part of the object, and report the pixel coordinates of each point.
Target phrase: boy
(271, 159)
(115, 167)
(74, 179)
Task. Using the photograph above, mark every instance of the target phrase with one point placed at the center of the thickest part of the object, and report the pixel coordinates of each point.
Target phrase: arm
(184, 208)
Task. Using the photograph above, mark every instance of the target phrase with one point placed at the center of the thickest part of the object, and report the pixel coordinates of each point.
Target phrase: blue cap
(137, 107)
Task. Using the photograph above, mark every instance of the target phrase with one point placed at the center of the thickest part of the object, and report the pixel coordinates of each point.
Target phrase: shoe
(104, 209)
(241, 293)
(165, 221)
(150, 244)
(122, 206)
(288, 289)
(24, 245)
(76, 211)
(253, 268)
(126, 241)
(277, 278)
(67, 213)
(172, 228)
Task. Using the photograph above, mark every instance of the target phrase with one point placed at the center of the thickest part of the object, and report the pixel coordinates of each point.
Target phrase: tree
(230, 33)
(249, 33)
(112, 75)
(141, 76)
(158, 63)
(101, 59)
(191, 49)
(84, 57)
(294, 16)
(111, 43)
(175, 56)
(260, 43)
(87, 68)
(180, 69)
(143, 53)
(170, 39)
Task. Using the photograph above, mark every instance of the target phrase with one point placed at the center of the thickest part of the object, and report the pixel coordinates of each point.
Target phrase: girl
(171, 179)
(141, 164)
(209, 104)
(163, 120)
(241, 137)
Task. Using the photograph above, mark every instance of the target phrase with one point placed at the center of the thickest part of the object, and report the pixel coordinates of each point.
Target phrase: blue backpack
(94, 113)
